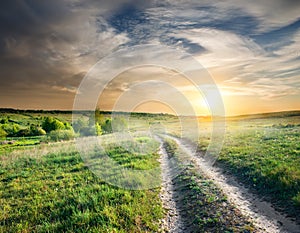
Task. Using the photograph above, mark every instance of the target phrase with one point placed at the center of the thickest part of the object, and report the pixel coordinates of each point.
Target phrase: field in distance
(46, 186)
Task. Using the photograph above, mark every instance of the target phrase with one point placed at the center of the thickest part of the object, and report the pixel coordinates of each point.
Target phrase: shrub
(4, 120)
(33, 130)
(87, 128)
(40, 132)
(106, 127)
(2, 133)
(49, 124)
(117, 124)
(91, 130)
(67, 126)
(36, 130)
(23, 133)
(79, 124)
(99, 117)
(11, 129)
(58, 135)
(98, 129)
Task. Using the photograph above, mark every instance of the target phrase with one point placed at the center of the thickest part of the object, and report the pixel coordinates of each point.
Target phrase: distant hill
(283, 114)
(30, 111)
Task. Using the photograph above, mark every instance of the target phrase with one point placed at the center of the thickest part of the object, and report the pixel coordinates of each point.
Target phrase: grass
(11, 144)
(264, 153)
(27, 118)
(58, 193)
(136, 123)
(49, 188)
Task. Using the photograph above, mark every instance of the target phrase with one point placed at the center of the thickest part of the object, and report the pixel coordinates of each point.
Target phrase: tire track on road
(263, 215)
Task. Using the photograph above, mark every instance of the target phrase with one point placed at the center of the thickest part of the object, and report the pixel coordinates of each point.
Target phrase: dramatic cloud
(50, 46)
(46, 47)
(222, 48)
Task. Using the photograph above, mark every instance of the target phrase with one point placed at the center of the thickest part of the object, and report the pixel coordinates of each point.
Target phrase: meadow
(47, 186)
(54, 191)
(263, 152)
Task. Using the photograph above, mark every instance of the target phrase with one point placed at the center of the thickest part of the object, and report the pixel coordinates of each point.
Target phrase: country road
(260, 213)
(172, 222)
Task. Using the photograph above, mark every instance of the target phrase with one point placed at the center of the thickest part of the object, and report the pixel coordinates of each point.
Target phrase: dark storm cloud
(26, 28)
(23, 20)
(42, 41)
(47, 45)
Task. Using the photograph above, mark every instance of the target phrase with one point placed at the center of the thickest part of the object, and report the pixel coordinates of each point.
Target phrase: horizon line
(153, 113)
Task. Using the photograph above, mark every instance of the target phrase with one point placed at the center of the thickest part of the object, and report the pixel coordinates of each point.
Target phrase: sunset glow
(251, 51)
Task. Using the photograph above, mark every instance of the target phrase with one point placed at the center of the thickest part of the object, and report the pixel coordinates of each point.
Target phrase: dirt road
(264, 217)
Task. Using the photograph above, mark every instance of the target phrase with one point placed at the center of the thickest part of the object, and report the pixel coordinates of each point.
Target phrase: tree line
(59, 130)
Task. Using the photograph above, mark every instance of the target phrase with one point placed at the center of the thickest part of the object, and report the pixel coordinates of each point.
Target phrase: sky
(251, 49)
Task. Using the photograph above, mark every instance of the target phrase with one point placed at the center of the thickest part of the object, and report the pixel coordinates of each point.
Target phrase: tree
(99, 117)
(58, 125)
(40, 131)
(98, 129)
(47, 124)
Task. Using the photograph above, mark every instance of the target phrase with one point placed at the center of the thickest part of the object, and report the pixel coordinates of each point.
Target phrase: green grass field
(263, 151)
(56, 192)
(268, 158)
(47, 187)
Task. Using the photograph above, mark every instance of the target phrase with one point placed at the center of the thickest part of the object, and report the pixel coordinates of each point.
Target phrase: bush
(87, 128)
(11, 129)
(23, 133)
(33, 130)
(36, 131)
(106, 127)
(91, 130)
(58, 135)
(40, 132)
(2, 133)
(4, 120)
(67, 126)
(79, 124)
(99, 117)
(49, 124)
(98, 129)
(117, 124)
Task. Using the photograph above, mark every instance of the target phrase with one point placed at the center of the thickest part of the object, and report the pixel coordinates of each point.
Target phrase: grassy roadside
(58, 193)
(202, 206)
(264, 154)
(267, 159)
